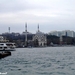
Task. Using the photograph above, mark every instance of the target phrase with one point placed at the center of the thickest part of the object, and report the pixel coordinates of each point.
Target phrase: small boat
(5, 54)
(7, 46)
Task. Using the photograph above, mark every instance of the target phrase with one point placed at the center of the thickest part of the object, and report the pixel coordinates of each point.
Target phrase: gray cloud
(12, 5)
(48, 13)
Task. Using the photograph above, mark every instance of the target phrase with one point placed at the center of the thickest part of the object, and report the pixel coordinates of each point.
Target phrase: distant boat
(7, 46)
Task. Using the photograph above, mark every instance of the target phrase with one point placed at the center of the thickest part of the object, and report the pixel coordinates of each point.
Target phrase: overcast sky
(51, 15)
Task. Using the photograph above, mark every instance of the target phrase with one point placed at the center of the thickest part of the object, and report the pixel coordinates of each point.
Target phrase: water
(40, 61)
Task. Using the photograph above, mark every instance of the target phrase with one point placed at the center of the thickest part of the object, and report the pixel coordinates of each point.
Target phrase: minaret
(26, 27)
(38, 27)
(26, 34)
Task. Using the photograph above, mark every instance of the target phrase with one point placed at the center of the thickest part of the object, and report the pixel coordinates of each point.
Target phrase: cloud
(45, 12)
(20, 5)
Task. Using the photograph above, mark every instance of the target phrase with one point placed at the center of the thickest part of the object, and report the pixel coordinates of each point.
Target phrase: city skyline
(70, 33)
(50, 14)
(26, 29)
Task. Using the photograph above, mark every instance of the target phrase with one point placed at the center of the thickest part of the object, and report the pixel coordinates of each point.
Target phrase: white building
(2, 39)
(41, 37)
(68, 33)
(63, 33)
(56, 33)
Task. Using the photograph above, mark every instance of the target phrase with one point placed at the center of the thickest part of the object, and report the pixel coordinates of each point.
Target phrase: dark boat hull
(5, 54)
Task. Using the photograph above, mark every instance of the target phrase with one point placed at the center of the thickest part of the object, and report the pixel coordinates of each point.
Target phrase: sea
(39, 61)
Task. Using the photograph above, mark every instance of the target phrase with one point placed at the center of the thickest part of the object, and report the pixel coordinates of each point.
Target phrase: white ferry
(7, 46)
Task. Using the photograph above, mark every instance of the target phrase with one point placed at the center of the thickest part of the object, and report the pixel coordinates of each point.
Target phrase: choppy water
(40, 61)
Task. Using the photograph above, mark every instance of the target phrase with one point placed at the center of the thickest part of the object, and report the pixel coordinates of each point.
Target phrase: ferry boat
(7, 46)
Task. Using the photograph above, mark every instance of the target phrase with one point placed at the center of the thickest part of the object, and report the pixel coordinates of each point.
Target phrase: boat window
(5, 47)
(1, 44)
(0, 47)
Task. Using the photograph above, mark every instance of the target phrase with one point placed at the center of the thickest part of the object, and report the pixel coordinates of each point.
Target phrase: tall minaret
(26, 27)
(38, 27)
(26, 34)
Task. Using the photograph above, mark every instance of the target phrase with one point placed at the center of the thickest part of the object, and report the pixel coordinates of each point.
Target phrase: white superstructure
(7, 46)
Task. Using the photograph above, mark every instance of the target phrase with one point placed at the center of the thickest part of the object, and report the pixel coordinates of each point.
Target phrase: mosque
(39, 36)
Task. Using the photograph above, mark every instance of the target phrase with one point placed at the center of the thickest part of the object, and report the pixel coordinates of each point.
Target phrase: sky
(51, 15)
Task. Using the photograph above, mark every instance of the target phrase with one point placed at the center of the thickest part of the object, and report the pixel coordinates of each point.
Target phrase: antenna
(9, 29)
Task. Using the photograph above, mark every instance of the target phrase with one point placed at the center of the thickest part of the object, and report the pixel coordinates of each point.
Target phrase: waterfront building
(40, 37)
(68, 33)
(63, 33)
(2, 39)
(56, 33)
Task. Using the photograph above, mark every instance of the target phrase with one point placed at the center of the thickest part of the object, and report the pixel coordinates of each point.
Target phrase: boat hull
(7, 49)
(5, 54)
